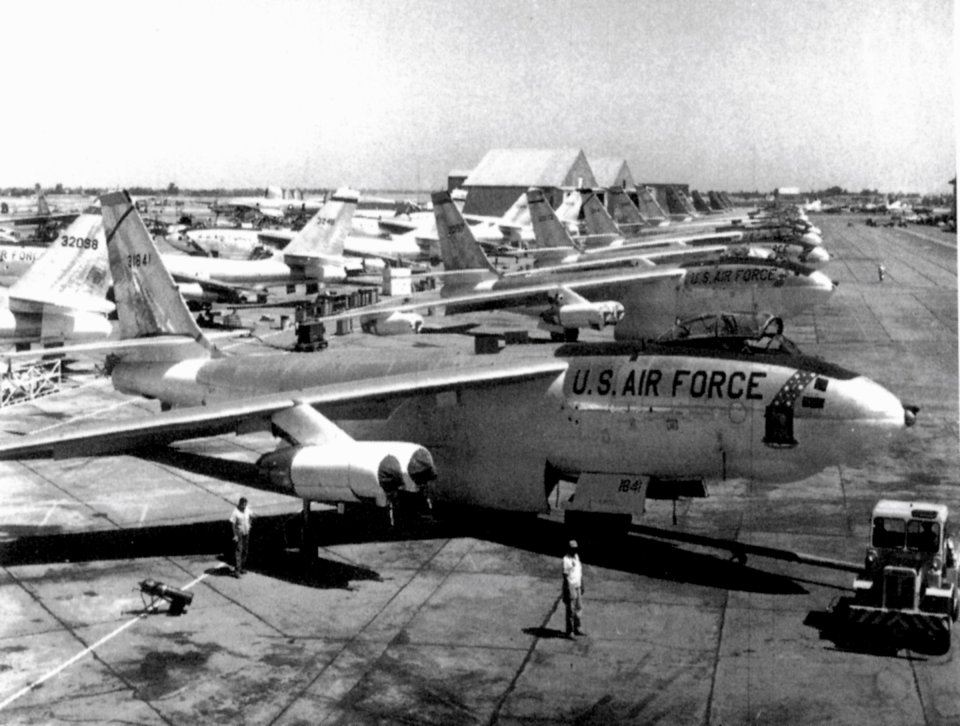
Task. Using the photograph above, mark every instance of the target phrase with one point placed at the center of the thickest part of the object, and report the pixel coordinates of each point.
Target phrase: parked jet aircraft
(16, 258)
(623, 422)
(62, 296)
(699, 203)
(252, 244)
(508, 234)
(44, 218)
(553, 245)
(653, 297)
(272, 205)
(679, 205)
(315, 254)
(629, 216)
(742, 241)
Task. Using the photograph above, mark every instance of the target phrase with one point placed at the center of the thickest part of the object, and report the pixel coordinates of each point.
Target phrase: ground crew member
(881, 271)
(572, 589)
(240, 522)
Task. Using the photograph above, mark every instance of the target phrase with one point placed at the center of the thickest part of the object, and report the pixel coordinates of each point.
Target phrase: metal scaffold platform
(27, 382)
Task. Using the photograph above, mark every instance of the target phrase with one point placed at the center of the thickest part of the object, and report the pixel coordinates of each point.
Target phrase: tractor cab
(911, 534)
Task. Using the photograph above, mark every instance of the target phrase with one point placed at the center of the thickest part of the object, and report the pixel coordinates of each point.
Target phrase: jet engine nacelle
(349, 471)
(195, 292)
(596, 315)
(396, 323)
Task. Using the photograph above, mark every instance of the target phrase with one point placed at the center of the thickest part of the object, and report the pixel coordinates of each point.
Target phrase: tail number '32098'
(83, 243)
(138, 260)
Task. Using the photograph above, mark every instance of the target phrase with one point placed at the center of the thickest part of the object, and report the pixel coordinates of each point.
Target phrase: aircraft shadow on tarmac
(645, 556)
(275, 539)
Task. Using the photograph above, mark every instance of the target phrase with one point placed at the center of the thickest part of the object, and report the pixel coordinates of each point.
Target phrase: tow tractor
(907, 589)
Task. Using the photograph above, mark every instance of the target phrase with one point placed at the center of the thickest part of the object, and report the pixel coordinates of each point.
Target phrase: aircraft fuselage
(615, 411)
(651, 307)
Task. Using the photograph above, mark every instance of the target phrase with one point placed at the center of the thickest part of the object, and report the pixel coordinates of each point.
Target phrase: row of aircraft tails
(623, 421)
(640, 281)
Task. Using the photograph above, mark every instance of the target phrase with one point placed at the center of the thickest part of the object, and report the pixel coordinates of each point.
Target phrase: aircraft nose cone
(817, 256)
(821, 284)
(866, 402)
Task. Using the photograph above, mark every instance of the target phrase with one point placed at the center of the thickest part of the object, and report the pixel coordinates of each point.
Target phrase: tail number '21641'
(138, 260)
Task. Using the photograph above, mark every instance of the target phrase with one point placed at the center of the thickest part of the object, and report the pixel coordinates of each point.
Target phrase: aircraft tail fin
(459, 197)
(597, 218)
(625, 213)
(570, 207)
(325, 233)
(699, 203)
(459, 249)
(148, 302)
(677, 202)
(73, 273)
(648, 206)
(519, 213)
(548, 231)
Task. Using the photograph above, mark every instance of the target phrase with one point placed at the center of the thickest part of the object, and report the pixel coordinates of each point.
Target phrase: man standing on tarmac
(240, 521)
(572, 589)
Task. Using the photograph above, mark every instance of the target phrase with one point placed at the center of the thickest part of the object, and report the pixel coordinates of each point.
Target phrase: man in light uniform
(240, 521)
(572, 589)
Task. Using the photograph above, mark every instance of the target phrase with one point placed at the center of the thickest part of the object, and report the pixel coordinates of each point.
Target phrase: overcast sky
(731, 94)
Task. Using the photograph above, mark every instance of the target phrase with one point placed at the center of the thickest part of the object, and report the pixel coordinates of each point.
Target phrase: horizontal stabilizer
(39, 301)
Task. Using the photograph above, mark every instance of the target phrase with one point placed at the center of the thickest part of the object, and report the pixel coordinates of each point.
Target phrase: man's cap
(572, 544)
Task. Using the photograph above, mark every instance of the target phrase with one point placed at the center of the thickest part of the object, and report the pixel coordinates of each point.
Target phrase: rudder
(324, 235)
(148, 302)
(548, 232)
(459, 249)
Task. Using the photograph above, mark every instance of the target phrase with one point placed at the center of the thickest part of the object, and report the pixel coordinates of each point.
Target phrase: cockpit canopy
(748, 332)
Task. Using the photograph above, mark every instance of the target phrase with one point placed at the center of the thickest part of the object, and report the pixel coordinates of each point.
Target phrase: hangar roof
(532, 167)
(611, 171)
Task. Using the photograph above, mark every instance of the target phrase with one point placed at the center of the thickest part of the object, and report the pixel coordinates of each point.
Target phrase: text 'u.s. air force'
(656, 383)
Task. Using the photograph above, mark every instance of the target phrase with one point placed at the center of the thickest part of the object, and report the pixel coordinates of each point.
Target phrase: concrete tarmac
(457, 619)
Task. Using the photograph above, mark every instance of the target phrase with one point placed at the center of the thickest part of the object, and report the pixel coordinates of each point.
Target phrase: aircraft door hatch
(778, 432)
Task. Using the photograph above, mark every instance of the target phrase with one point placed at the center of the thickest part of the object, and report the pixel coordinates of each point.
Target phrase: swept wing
(254, 413)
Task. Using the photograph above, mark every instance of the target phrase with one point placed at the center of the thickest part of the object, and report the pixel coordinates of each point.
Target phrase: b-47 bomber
(614, 418)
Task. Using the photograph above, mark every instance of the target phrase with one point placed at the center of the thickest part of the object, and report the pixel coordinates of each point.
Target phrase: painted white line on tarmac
(89, 649)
